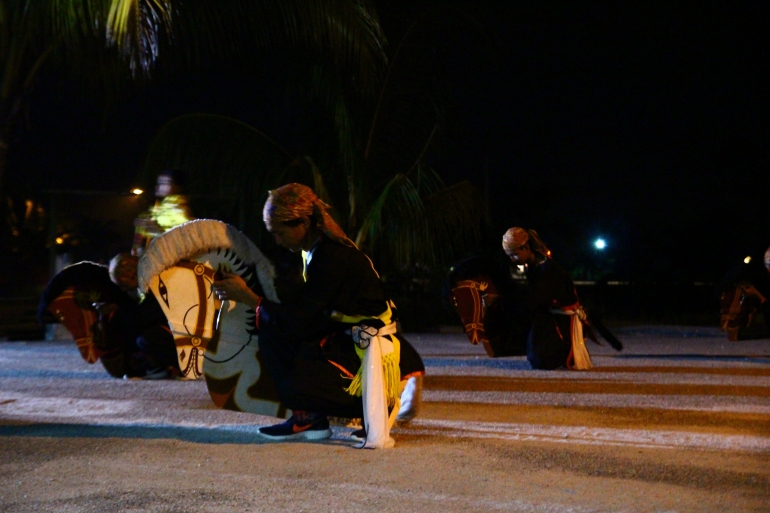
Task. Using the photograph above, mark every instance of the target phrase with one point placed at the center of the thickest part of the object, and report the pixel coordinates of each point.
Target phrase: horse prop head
(214, 339)
(73, 309)
(470, 291)
(471, 298)
(737, 311)
(71, 298)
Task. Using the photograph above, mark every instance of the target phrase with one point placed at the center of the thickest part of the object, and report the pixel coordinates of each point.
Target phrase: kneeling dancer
(556, 334)
(313, 346)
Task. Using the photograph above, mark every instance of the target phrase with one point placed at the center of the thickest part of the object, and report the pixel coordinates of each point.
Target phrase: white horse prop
(214, 339)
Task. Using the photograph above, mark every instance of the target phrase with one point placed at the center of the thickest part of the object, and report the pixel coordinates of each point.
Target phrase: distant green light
(600, 244)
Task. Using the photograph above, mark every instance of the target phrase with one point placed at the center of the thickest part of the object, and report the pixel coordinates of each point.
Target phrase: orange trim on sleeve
(343, 369)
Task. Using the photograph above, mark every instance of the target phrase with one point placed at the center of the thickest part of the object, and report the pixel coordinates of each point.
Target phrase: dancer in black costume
(309, 345)
(550, 301)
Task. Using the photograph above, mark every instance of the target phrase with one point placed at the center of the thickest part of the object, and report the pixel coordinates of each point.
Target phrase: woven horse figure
(485, 298)
(70, 298)
(215, 340)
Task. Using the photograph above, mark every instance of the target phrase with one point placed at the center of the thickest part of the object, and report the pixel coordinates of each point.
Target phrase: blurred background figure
(171, 209)
(549, 290)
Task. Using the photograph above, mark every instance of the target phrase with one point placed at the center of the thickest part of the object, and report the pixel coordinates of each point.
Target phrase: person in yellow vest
(171, 209)
(313, 346)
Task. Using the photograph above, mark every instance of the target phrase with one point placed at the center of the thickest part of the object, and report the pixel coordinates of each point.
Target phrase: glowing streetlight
(138, 192)
(600, 244)
(747, 260)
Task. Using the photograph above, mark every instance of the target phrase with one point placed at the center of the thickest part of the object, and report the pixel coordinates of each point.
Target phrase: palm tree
(101, 39)
(107, 45)
(343, 53)
(387, 186)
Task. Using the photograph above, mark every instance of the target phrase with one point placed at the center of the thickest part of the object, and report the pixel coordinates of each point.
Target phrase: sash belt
(578, 358)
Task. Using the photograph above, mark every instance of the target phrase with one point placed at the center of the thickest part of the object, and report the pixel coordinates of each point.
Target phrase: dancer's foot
(300, 426)
(411, 400)
(359, 435)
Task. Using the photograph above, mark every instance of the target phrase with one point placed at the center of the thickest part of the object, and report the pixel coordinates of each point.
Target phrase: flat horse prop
(70, 298)
(214, 339)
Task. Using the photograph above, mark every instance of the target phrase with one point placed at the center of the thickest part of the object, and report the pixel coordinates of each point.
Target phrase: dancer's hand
(232, 287)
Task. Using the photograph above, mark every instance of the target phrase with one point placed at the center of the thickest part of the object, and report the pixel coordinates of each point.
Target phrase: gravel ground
(678, 421)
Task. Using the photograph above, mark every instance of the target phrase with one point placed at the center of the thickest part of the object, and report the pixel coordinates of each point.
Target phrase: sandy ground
(679, 421)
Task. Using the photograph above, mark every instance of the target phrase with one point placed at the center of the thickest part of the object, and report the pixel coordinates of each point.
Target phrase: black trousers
(507, 327)
(158, 344)
(305, 378)
(311, 375)
(550, 340)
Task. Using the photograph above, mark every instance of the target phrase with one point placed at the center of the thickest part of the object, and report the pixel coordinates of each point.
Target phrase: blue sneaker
(300, 426)
(157, 373)
(359, 435)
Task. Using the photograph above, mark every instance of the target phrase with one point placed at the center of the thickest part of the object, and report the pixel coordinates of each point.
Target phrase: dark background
(645, 124)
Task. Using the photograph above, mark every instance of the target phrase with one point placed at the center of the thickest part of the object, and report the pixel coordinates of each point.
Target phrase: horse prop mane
(214, 339)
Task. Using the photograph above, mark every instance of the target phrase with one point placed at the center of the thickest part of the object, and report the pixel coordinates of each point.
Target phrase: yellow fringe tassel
(391, 373)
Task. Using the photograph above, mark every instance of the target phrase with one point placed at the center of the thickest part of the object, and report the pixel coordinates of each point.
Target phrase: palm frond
(455, 216)
(135, 26)
(398, 214)
(70, 20)
(411, 108)
(422, 220)
(201, 30)
(342, 109)
(349, 28)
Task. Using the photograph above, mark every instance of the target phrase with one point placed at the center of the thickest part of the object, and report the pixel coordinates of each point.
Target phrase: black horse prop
(104, 321)
(489, 302)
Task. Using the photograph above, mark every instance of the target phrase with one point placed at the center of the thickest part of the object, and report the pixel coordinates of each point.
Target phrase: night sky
(646, 124)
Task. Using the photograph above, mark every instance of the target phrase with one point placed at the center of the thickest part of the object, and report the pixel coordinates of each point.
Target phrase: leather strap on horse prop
(214, 339)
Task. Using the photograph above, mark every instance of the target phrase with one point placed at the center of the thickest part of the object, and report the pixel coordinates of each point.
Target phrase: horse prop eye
(163, 291)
